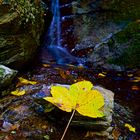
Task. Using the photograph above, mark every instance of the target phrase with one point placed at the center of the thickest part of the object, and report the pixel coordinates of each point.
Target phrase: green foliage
(130, 32)
(27, 10)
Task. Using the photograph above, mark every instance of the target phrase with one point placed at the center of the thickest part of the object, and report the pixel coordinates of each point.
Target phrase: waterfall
(53, 44)
(55, 28)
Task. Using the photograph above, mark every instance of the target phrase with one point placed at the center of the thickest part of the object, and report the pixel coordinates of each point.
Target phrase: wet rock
(6, 76)
(121, 51)
(94, 26)
(129, 8)
(125, 50)
(19, 34)
(97, 124)
(124, 111)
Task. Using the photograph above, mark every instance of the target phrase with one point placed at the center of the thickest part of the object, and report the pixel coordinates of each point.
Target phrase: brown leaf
(116, 133)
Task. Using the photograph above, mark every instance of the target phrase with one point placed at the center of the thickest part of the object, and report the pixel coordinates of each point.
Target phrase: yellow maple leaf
(130, 127)
(18, 92)
(25, 81)
(80, 96)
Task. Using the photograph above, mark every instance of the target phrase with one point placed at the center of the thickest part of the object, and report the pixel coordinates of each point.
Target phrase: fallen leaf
(136, 79)
(101, 75)
(130, 127)
(63, 74)
(26, 82)
(136, 88)
(116, 133)
(80, 96)
(18, 92)
(46, 65)
(130, 75)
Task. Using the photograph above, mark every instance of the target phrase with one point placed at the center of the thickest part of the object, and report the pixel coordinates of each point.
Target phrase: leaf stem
(68, 124)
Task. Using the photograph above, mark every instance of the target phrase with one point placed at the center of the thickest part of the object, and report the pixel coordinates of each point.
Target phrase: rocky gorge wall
(105, 32)
(21, 25)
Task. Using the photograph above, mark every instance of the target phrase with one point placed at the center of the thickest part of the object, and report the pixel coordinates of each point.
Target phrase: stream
(60, 61)
(25, 118)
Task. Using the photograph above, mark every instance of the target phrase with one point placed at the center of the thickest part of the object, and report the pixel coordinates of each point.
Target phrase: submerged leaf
(130, 127)
(25, 81)
(80, 97)
(18, 93)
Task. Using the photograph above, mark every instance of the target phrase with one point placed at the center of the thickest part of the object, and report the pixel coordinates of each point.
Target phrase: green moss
(111, 43)
(132, 31)
(131, 56)
(126, 9)
(28, 10)
(130, 37)
(1, 72)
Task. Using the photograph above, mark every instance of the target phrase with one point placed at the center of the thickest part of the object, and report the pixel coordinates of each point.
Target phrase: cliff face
(21, 25)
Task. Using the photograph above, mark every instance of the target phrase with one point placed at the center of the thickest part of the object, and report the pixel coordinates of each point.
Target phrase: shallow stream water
(24, 117)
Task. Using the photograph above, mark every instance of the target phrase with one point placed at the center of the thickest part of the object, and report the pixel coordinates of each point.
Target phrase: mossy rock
(130, 57)
(132, 31)
(130, 36)
(98, 124)
(122, 9)
(19, 39)
(6, 76)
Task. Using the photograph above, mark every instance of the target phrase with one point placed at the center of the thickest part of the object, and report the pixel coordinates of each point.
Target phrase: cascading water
(53, 44)
(55, 29)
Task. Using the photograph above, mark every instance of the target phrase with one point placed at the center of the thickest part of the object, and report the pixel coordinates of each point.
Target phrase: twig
(68, 125)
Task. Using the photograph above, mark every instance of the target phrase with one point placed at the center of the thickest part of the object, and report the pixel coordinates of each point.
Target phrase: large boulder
(100, 126)
(21, 26)
(120, 51)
